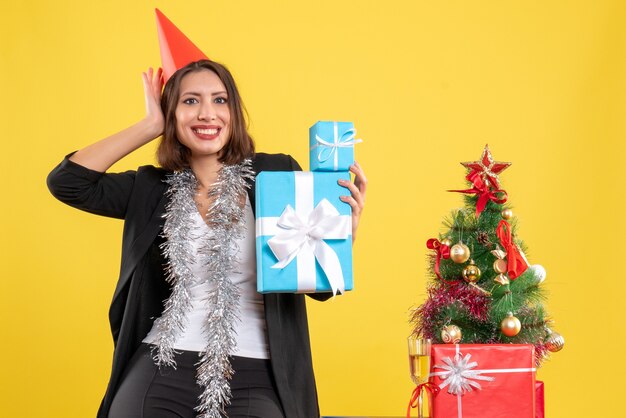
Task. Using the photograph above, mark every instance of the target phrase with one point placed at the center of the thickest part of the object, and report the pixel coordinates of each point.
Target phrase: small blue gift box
(303, 233)
(332, 146)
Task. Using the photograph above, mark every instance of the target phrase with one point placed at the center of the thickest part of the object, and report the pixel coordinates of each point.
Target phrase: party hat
(176, 49)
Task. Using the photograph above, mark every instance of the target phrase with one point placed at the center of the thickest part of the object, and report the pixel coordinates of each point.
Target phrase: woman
(178, 365)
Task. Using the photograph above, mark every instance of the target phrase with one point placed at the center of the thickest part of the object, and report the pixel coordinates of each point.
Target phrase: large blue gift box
(331, 146)
(303, 233)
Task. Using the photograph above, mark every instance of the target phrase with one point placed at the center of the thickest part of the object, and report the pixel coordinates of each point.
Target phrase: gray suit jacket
(138, 197)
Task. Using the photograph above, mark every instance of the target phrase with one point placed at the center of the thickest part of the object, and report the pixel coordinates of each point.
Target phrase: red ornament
(485, 170)
(484, 194)
(516, 265)
(443, 251)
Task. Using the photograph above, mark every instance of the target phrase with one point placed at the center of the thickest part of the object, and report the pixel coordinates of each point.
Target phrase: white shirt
(251, 330)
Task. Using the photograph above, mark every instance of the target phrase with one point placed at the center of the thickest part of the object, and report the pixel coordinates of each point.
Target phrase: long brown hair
(171, 154)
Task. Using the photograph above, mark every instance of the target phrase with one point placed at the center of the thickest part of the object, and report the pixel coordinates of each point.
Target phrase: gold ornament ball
(555, 342)
(471, 273)
(507, 214)
(459, 253)
(446, 241)
(451, 334)
(510, 326)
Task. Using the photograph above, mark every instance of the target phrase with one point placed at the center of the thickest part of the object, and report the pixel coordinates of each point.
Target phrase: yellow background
(427, 84)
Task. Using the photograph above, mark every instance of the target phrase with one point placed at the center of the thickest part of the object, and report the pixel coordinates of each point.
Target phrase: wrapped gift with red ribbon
(483, 380)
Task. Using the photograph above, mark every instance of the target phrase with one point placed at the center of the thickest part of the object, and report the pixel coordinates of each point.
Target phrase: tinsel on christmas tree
(482, 290)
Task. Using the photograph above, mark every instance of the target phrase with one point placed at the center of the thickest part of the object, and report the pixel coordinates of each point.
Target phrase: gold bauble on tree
(510, 326)
(459, 253)
(446, 241)
(471, 273)
(554, 342)
(451, 334)
(507, 214)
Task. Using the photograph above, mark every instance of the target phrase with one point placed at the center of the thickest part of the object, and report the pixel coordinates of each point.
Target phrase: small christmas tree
(482, 289)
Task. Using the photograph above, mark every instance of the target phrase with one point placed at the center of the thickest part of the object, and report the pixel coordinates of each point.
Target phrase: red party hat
(176, 49)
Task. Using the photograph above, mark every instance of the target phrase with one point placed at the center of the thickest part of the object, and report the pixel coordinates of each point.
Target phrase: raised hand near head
(152, 87)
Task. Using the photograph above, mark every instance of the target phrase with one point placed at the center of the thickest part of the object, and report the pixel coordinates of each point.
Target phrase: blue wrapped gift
(332, 146)
(303, 233)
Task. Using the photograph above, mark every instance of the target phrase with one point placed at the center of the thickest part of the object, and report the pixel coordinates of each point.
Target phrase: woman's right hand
(152, 87)
(102, 154)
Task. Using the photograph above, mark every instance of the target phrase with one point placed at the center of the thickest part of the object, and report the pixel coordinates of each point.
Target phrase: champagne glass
(419, 365)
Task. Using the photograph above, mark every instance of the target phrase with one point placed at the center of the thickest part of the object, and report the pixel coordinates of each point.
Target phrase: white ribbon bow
(459, 376)
(304, 237)
(330, 149)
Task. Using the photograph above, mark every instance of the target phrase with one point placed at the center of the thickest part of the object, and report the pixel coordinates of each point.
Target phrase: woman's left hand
(357, 195)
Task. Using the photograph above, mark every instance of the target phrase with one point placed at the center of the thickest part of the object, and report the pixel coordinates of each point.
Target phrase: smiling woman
(192, 335)
(201, 87)
(202, 115)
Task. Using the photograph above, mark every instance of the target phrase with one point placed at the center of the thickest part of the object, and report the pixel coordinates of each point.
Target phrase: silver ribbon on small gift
(459, 374)
(331, 149)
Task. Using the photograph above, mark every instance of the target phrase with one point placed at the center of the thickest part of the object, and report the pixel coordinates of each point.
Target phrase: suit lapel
(143, 239)
(152, 227)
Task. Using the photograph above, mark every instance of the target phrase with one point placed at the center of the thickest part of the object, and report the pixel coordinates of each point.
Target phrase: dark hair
(171, 154)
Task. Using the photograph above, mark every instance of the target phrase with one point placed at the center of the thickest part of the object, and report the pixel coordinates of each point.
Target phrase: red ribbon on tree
(516, 264)
(416, 399)
(443, 251)
(484, 195)
(476, 179)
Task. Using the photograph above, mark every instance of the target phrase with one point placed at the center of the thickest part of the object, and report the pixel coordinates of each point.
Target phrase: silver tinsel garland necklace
(219, 256)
